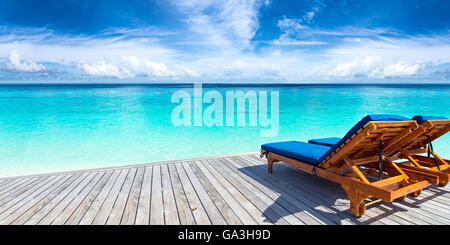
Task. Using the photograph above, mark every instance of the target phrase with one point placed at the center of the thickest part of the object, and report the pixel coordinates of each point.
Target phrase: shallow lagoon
(50, 128)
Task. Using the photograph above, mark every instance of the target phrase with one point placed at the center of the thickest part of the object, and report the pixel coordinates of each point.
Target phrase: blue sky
(224, 41)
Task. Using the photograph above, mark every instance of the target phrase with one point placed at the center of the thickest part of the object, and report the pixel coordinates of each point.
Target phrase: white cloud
(309, 16)
(374, 67)
(402, 69)
(286, 41)
(289, 25)
(229, 24)
(101, 68)
(17, 63)
(132, 66)
(145, 66)
(185, 72)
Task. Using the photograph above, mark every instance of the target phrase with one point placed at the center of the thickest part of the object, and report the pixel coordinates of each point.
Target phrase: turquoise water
(50, 128)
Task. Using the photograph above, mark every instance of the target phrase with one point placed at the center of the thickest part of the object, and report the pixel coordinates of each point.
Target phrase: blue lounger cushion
(325, 141)
(420, 119)
(309, 153)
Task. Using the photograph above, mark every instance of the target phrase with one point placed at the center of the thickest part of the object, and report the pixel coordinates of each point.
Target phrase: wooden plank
(183, 208)
(35, 194)
(29, 192)
(129, 214)
(244, 216)
(199, 213)
(15, 190)
(45, 205)
(13, 185)
(58, 209)
(375, 213)
(29, 201)
(119, 205)
(170, 207)
(425, 210)
(421, 213)
(143, 209)
(247, 204)
(307, 214)
(15, 193)
(432, 197)
(271, 209)
(79, 198)
(93, 209)
(214, 214)
(78, 214)
(330, 190)
(381, 214)
(316, 189)
(225, 210)
(105, 210)
(156, 204)
(8, 182)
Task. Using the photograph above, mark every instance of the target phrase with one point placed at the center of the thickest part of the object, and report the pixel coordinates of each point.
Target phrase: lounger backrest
(434, 128)
(363, 139)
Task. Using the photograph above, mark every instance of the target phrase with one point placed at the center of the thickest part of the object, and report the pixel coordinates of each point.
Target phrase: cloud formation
(375, 67)
(228, 24)
(18, 64)
(133, 66)
(236, 40)
(101, 68)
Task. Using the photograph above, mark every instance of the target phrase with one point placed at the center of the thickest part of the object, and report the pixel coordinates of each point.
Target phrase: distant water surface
(50, 128)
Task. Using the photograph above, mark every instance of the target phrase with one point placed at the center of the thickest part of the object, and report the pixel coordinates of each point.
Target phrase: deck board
(184, 210)
(212, 211)
(129, 214)
(36, 201)
(60, 209)
(198, 211)
(45, 205)
(143, 209)
(74, 203)
(82, 208)
(103, 214)
(119, 205)
(233, 189)
(170, 207)
(243, 200)
(156, 204)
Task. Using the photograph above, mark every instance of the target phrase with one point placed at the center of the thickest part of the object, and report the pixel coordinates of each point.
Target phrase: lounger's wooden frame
(353, 165)
(418, 144)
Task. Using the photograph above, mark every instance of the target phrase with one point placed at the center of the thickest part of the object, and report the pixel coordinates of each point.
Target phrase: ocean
(54, 127)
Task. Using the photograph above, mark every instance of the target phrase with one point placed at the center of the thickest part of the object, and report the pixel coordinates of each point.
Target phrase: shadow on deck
(327, 202)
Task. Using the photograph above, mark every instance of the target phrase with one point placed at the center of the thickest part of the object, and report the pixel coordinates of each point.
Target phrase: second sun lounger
(418, 141)
(430, 129)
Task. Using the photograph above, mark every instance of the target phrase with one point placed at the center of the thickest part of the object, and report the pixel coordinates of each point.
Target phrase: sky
(304, 41)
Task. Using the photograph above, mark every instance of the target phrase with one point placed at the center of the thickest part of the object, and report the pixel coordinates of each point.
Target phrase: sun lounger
(352, 162)
(429, 130)
(418, 143)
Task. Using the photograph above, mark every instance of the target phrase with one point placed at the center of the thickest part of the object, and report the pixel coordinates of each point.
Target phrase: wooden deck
(220, 190)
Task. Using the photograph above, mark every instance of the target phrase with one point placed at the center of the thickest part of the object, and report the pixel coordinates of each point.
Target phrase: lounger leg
(401, 198)
(416, 193)
(357, 206)
(270, 162)
(444, 181)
